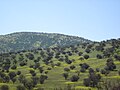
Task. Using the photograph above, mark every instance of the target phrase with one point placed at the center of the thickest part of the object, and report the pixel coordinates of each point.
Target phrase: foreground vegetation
(87, 66)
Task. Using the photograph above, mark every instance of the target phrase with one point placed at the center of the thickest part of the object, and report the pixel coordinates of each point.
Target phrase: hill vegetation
(86, 66)
(32, 40)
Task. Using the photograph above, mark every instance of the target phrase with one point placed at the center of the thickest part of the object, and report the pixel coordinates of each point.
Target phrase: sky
(92, 19)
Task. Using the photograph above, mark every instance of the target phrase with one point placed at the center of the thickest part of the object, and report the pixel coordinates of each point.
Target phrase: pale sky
(92, 19)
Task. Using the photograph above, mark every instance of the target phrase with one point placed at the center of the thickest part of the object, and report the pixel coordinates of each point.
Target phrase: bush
(81, 58)
(4, 87)
(92, 80)
(82, 70)
(65, 75)
(43, 78)
(12, 75)
(110, 65)
(20, 87)
(91, 70)
(33, 74)
(32, 71)
(68, 61)
(84, 65)
(35, 80)
(99, 48)
(80, 53)
(22, 63)
(74, 78)
(66, 69)
(72, 67)
(14, 67)
(29, 85)
(41, 69)
(49, 68)
(99, 56)
(18, 72)
(117, 57)
(13, 80)
(97, 69)
(86, 82)
(86, 56)
(58, 64)
(87, 50)
(46, 72)
(30, 56)
(103, 71)
(6, 79)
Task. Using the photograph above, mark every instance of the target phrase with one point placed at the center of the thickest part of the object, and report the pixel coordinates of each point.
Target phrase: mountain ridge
(30, 40)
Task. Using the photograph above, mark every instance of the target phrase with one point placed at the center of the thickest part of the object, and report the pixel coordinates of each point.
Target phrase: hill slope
(30, 40)
(93, 66)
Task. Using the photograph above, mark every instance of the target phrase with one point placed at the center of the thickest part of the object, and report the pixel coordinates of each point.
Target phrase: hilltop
(32, 40)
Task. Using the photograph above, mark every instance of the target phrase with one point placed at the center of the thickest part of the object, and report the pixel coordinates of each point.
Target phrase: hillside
(31, 40)
(88, 66)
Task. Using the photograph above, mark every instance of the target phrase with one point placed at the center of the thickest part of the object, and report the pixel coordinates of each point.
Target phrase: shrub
(86, 56)
(66, 69)
(33, 74)
(97, 69)
(86, 82)
(110, 65)
(4, 87)
(65, 75)
(117, 57)
(20, 87)
(43, 78)
(6, 79)
(68, 61)
(18, 72)
(82, 70)
(92, 80)
(32, 71)
(30, 56)
(80, 53)
(49, 68)
(72, 67)
(81, 58)
(12, 75)
(99, 56)
(91, 70)
(14, 67)
(41, 69)
(22, 63)
(13, 80)
(78, 72)
(74, 78)
(103, 71)
(84, 65)
(87, 50)
(35, 80)
(58, 64)
(29, 85)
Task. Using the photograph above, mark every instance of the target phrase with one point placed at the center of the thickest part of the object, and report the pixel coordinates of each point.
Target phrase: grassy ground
(55, 78)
